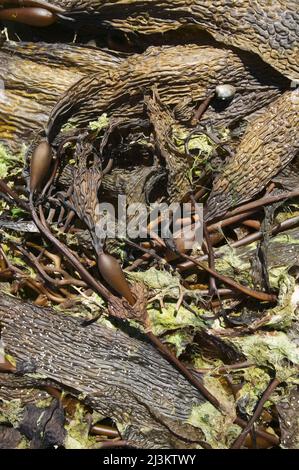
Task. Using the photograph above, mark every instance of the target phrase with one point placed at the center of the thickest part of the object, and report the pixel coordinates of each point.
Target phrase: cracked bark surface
(118, 375)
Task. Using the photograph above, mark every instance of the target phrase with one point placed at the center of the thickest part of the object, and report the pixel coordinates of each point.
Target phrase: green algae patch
(168, 318)
(11, 165)
(101, 123)
(283, 314)
(12, 412)
(272, 351)
(78, 431)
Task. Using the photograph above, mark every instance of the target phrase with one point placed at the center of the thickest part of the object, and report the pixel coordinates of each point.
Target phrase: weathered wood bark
(119, 375)
(34, 76)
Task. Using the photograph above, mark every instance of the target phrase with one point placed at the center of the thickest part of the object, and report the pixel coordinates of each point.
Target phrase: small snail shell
(40, 165)
(114, 276)
(30, 16)
(225, 92)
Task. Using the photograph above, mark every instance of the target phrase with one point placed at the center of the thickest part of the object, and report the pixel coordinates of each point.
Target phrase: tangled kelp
(223, 313)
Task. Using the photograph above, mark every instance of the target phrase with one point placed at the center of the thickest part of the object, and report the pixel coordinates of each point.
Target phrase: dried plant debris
(51, 424)
(171, 341)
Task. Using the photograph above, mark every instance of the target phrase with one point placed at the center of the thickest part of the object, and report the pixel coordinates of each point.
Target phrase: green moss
(256, 380)
(16, 212)
(210, 421)
(199, 145)
(269, 349)
(44, 403)
(282, 315)
(179, 339)
(200, 362)
(199, 142)
(69, 126)
(231, 264)
(157, 280)
(217, 427)
(23, 444)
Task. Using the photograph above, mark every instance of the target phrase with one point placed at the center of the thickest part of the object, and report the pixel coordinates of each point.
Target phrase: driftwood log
(118, 375)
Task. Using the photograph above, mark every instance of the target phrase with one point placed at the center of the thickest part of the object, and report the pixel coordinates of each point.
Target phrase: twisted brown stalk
(253, 237)
(271, 387)
(262, 296)
(264, 201)
(106, 294)
(100, 289)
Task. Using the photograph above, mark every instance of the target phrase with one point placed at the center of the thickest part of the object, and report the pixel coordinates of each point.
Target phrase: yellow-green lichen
(215, 425)
(256, 380)
(269, 349)
(12, 412)
(282, 315)
(158, 281)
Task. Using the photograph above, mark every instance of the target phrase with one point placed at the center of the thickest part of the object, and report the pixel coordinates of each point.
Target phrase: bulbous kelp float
(50, 6)
(32, 13)
(268, 29)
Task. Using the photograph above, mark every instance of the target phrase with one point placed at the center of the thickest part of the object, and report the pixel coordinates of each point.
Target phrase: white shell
(225, 92)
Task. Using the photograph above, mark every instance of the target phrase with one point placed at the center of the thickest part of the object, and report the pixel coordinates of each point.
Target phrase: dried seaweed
(224, 312)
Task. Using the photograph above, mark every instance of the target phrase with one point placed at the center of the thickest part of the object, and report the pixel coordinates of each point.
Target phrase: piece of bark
(43, 426)
(9, 437)
(118, 375)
